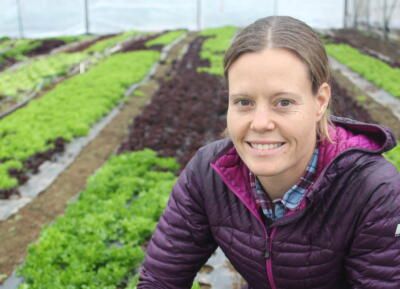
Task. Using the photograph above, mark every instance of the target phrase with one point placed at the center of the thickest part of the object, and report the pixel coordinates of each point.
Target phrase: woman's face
(272, 113)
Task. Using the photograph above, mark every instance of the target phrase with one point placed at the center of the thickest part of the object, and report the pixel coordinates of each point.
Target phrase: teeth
(266, 146)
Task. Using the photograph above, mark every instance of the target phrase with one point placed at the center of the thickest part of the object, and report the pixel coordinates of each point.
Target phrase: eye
(284, 102)
(244, 102)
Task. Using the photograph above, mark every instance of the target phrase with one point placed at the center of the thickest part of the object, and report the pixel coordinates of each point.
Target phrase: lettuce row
(213, 48)
(14, 83)
(394, 156)
(166, 38)
(372, 69)
(97, 243)
(102, 45)
(69, 110)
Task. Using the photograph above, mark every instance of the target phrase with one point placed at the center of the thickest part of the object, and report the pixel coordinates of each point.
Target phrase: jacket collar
(348, 136)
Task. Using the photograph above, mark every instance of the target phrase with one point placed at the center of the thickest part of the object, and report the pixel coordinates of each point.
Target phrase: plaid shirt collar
(291, 199)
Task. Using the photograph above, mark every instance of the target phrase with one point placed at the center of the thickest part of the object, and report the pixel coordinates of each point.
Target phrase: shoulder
(198, 173)
(375, 170)
(376, 181)
(361, 181)
(209, 152)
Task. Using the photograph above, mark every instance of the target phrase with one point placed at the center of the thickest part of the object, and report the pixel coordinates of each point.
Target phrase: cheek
(230, 123)
(235, 125)
(301, 128)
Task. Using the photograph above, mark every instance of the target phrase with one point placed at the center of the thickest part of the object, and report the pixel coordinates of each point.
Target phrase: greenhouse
(136, 138)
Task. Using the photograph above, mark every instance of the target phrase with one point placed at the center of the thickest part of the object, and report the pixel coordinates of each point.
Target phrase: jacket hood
(348, 134)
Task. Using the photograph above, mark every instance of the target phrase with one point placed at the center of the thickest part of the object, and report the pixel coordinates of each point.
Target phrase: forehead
(269, 70)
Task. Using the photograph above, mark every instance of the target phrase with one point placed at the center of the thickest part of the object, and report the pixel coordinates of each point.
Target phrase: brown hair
(292, 34)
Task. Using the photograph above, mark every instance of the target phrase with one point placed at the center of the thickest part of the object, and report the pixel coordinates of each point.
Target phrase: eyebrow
(273, 95)
(239, 95)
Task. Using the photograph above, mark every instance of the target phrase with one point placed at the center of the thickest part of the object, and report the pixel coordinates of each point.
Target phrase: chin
(262, 170)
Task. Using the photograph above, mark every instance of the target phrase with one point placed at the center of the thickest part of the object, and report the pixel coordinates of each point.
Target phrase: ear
(322, 99)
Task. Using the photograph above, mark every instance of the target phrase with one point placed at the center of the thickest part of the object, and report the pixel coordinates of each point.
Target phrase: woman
(294, 197)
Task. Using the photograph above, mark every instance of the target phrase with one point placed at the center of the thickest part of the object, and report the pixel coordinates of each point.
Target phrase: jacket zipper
(269, 238)
(267, 255)
(269, 259)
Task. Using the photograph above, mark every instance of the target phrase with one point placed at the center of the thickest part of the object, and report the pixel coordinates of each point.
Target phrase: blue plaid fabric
(276, 209)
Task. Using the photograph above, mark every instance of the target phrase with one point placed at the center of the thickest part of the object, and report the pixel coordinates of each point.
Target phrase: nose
(262, 120)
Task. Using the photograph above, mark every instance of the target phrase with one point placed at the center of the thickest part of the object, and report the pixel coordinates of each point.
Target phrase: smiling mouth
(265, 147)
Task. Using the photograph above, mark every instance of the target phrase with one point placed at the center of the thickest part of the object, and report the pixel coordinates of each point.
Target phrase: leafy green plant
(6, 44)
(20, 47)
(72, 38)
(394, 156)
(213, 49)
(372, 69)
(70, 109)
(96, 244)
(165, 39)
(104, 44)
(16, 83)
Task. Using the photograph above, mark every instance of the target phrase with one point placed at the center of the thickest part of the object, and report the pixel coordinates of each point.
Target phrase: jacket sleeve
(182, 241)
(374, 256)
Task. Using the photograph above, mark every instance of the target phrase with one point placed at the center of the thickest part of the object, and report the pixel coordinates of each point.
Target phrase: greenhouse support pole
(368, 15)
(355, 20)
(387, 15)
(198, 15)
(346, 13)
(87, 27)
(384, 14)
(20, 26)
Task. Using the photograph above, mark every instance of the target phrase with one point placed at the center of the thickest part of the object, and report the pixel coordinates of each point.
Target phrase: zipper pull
(267, 253)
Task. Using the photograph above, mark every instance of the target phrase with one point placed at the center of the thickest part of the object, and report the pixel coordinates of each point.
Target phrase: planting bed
(192, 111)
(350, 101)
(114, 267)
(154, 42)
(105, 83)
(83, 45)
(343, 104)
(21, 229)
(382, 101)
(20, 49)
(16, 83)
(387, 51)
(19, 85)
(47, 127)
(30, 133)
(45, 47)
(32, 76)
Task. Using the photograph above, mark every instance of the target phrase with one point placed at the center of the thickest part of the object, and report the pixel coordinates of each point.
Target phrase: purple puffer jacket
(341, 236)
